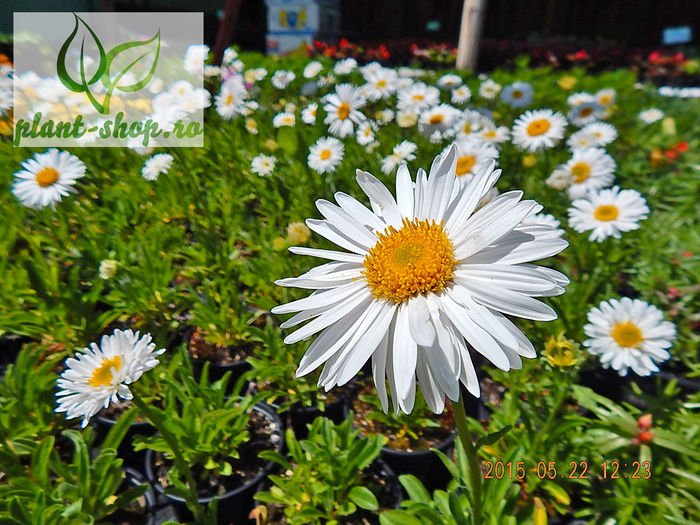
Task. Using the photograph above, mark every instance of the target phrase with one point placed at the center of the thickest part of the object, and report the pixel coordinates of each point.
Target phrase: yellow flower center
(343, 111)
(325, 154)
(586, 112)
(102, 376)
(416, 259)
(46, 177)
(490, 133)
(605, 100)
(467, 127)
(229, 100)
(380, 84)
(538, 127)
(436, 119)
(580, 171)
(417, 97)
(606, 212)
(517, 93)
(627, 334)
(465, 165)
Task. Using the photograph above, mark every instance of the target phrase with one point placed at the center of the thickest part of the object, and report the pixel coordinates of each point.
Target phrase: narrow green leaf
(363, 498)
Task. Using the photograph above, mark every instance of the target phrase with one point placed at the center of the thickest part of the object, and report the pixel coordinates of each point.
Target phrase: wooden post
(469, 33)
(226, 27)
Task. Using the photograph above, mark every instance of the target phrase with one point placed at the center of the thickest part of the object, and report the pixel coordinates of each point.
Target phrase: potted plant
(298, 399)
(333, 476)
(219, 438)
(410, 436)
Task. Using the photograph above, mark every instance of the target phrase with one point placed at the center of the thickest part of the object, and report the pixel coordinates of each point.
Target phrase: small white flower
(381, 83)
(281, 78)
(439, 118)
(560, 179)
(489, 89)
(194, 60)
(461, 95)
(263, 164)
(156, 165)
(590, 169)
(107, 269)
(601, 133)
(585, 113)
(402, 153)
(651, 115)
(538, 130)
(365, 133)
(342, 110)
(449, 81)
(418, 97)
(308, 114)
(608, 212)
(312, 69)
(345, 67)
(629, 333)
(231, 100)
(46, 178)
(283, 119)
(517, 95)
(101, 374)
(605, 97)
(325, 155)
(230, 55)
(406, 119)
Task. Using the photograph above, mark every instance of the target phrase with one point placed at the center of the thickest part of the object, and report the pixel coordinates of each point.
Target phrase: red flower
(581, 55)
(681, 147)
(644, 422)
(654, 57)
(344, 43)
(671, 155)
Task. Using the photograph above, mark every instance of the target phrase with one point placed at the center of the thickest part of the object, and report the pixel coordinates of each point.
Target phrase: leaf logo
(103, 67)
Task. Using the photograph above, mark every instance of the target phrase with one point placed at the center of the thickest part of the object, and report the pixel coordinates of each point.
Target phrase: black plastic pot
(235, 505)
(152, 515)
(297, 418)
(423, 464)
(126, 450)
(217, 371)
(604, 381)
(10, 345)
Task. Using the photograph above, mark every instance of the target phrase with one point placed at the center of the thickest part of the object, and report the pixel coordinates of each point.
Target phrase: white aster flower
(194, 60)
(542, 224)
(417, 97)
(282, 78)
(489, 89)
(472, 155)
(231, 99)
(345, 66)
(47, 178)
(581, 97)
(384, 116)
(406, 119)
(365, 133)
(585, 113)
(308, 114)
(602, 133)
(312, 69)
(263, 165)
(325, 155)
(517, 95)
(461, 95)
(401, 154)
(560, 179)
(439, 118)
(608, 212)
(101, 374)
(230, 55)
(425, 281)
(449, 81)
(470, 122)
(342, 110)
(590, 169)
(493, 134)
(605, 97)
(538, 130)
(381, 83)
(283, 119)
(651, 115)
(629, 333)
(156, 165)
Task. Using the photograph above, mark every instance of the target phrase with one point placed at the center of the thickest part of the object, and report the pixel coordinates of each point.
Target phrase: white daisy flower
(406, 119)
(461, 95)
(101, 374)
(602, 133)
(494, 134)
(195, 57)
(230, 100)
(581, 97)
(47, 178)
(156, 165)
(5, 101)
(384, 116)
(425, 280)
(585, 113)
(651, 115)
(312, 69)
(417, 97)
(489, 89)
(401, 154)
(283, 119)
(342, 110)
(470, 122)
(608, 212)
(308, 114)
(581, 140)
(410, 72)
(551, 226)
(449, 81)
(230, 55)
(605, 97)
(538, 130)
(590, 169)
(263, 165)
(472, 155)
(517, 95)
(439, 118)
(381, 83)
(325, 155)
(560, 179)
(282, 78)
(345, 66)
(365, 133)
(629, 333)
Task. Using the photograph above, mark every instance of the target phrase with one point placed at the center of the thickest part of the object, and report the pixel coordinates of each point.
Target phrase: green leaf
(40, 461)
(414, 488)
(287, 139)
(490, 439)
(398, 517)
(456, 509)
(118, 431)
(363, 498)
(558, 493)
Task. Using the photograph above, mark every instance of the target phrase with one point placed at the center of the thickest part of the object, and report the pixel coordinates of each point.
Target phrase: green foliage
(322, 480)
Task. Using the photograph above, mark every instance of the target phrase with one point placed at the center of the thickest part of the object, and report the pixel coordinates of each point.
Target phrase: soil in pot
(222, 358)
(235, 492)
(298, 417)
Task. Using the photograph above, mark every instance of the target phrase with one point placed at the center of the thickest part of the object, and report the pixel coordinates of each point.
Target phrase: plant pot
(132, 458)
(220, 361)
(423, 464)
(217, 371)
(235, 505)
(297, 418)
(604, 381)
(146, 511)
(10, 345)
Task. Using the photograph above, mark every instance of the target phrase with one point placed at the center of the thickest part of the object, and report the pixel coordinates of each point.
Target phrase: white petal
(327, 254)
(404, 191)
(346, 224)
(420, 324)
(359, 211)
(381, 197)
(404, 353)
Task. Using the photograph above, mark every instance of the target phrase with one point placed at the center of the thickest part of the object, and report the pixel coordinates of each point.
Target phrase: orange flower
(656, 158)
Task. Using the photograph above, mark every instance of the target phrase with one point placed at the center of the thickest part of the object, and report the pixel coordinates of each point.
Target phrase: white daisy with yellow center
(325, 155)
(47, 178)
(439, 118)
(472, 155)
(417, 97)
(629, 333)
(284, 119)
(308, 114)
(342, 110)
(231, 100)
(426, 279)
(101, 374)
(381, 83)
(538, 130)
(608, 212)
(590, 169)
(401, 153)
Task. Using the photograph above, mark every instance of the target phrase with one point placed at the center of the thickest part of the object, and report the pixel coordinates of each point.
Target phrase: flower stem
(156, 420)
(474, 467)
